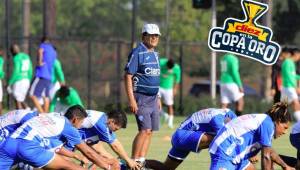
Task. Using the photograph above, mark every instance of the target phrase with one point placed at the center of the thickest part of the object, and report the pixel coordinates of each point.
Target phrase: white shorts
(20, 89)
(289, 94)
(230, 93)
(1, 91)
(167, 96)
(53, 89)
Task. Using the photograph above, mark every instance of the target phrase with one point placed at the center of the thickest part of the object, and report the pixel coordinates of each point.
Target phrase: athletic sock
(166, 117)
(170, 121)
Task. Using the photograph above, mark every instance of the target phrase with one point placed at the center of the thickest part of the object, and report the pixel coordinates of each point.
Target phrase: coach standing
(142, 84)
(43, 75)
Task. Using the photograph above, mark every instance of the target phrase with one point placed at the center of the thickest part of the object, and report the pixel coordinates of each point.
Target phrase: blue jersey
(94, 128)
(144, 66)
(49, 131)
(207, 120)
(243, 137)
(49, 56)
(10, 121)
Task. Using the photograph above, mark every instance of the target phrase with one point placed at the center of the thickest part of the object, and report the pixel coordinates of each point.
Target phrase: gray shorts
(147, 116)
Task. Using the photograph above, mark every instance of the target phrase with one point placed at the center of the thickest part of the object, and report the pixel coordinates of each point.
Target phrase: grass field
(160, 146)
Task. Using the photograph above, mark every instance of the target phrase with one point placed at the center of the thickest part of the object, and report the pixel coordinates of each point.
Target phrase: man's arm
(268, 156)
(65, 152)
(40, 57)
(59, 72)
(129, 91)
(99, 160)
(16, 70)
(118, 148)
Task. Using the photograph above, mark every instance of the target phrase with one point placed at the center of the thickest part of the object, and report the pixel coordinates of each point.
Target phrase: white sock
(166, 116)
(141, 159)
(170, 121)
(297, 115)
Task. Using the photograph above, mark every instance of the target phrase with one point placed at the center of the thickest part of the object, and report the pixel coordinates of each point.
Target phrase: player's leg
(144, 118)
(47, 95)
(35, 93)
(53, 89)
(225, 100)
(155, 164)
(30, 152)
(238, 97)
(239, 105)
(162, 94)
(20, 89)
(147, 140)
(292, 97)
(46, 104)
(169, 101)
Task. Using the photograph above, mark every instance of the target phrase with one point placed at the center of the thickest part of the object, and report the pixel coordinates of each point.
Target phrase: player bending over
(243, 137)
(194, 134)
(30, 142)
(99, 127)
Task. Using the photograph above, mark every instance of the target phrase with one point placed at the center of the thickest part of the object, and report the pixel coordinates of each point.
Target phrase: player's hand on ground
(133, 106)
(253, 159)
(84, 161)
(133, 165)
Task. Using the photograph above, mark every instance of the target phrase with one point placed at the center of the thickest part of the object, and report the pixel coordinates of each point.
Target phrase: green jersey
(230, 70)
(58, 72)
(169, 76)
(288, 73)
(1, 67)
(22, 68)
(71, 100)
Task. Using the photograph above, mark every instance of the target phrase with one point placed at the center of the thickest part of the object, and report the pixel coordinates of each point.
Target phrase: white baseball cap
(151, 29)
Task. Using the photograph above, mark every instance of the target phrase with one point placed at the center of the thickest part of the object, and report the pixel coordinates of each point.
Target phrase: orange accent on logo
(247, 29)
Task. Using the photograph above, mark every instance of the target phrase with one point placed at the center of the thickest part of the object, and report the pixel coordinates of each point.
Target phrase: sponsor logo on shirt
(246, 37)
(152, 71)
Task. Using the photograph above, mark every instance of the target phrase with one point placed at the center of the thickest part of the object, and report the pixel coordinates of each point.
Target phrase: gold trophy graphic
(252, 12)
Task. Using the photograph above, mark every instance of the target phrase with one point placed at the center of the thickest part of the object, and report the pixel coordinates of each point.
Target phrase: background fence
(96, 68)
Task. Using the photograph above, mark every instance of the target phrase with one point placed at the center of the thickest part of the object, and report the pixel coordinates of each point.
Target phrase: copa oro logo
(246, 37)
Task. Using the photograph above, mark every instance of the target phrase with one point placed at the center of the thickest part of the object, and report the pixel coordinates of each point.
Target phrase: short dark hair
(63, 92)
(279, 112)
(170, 63)
(44, 39)
(14, 49)
(119, 117)
(76, 111)
(295, 50)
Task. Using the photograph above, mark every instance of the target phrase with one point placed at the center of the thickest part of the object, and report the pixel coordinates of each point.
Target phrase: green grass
(159, 146)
